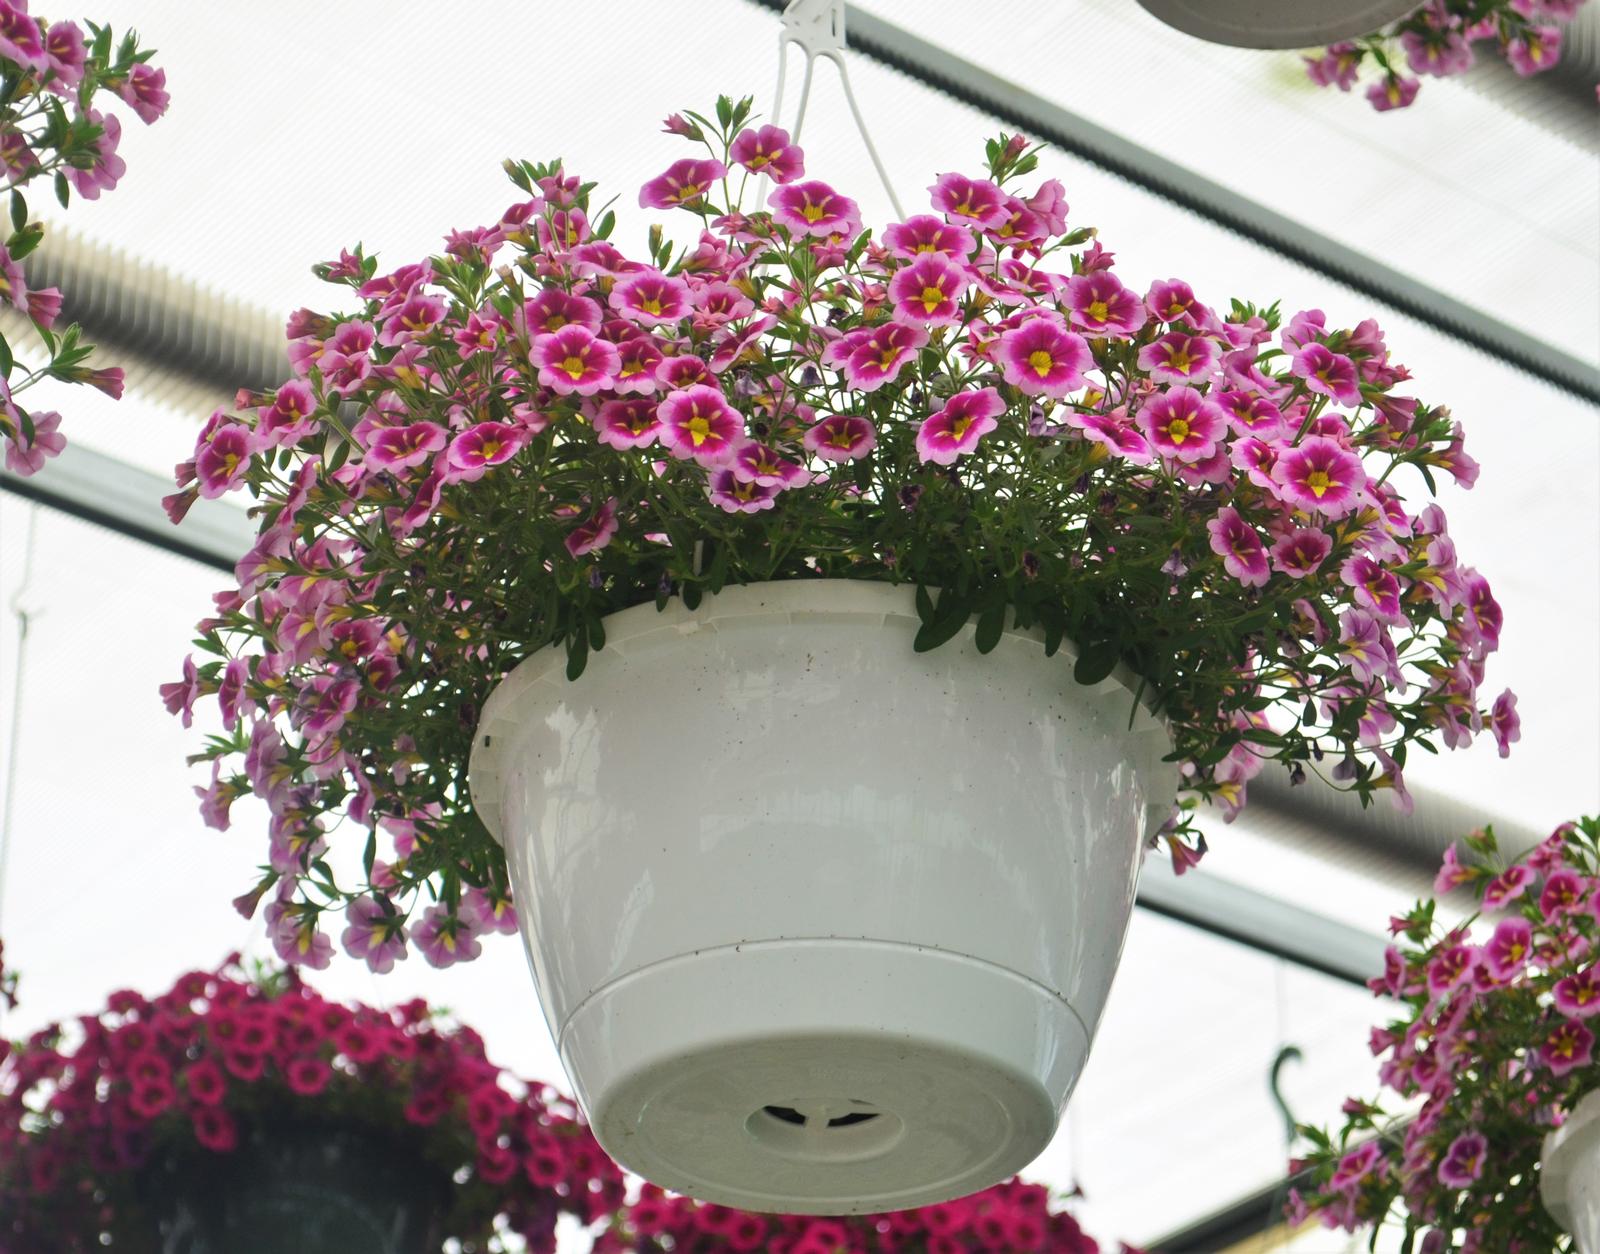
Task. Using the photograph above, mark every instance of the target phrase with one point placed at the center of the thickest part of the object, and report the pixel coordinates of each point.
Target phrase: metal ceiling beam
(1040, 118)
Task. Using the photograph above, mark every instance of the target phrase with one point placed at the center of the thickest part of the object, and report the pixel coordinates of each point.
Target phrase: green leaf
(577, 654)
(597, 634)
(991, 624)
(692, 592)
(724, 111)
(1097, 662)
(932, 635)
(603, 231)
(62, 193)
(924, 603)
(5, 358)
(19, 211)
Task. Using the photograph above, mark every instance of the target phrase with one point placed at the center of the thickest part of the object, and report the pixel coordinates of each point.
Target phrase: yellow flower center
(1178, 430)
(651, 305)
(840, 438)
(1097, 311)
(574, 367)
(1041, 362)
(932, 297)
(813, 212)
(1319, 482)
(699, 429)
(1181, 361)
(962, 425)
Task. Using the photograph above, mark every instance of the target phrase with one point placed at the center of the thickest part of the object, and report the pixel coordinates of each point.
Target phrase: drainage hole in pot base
(824, 1131)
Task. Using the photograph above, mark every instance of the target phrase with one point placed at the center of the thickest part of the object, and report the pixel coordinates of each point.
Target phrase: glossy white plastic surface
(778, 872)
(1278, 23)
(1569, 1174)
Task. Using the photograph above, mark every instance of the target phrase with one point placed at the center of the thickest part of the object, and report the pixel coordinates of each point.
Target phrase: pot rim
(865, 601)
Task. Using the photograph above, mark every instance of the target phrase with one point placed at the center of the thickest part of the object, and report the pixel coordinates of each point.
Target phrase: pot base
(824, 1076)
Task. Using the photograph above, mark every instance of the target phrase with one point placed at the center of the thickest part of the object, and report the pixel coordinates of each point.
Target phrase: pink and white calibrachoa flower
(1042, 359)
(1102, 306)
(627, 423)
(575, 361)
(924, 234)
(740, 496)
(815, 209)
(929, 290)
(956, 428)
(595, 532)
(699, 423)
(1183, 424)
(650, 298)
(977, 202)
(881, 354)
(1331, 374)
(1179, 358)
(684, 183)
(841, 438)
(767, 150)
(1240, 548)
(1321, 476)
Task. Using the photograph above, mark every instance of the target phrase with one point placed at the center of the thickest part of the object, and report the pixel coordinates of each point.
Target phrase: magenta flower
(1506, 887)
(1178, 357)
(17, 157)
(483, 445)
(1172, 300)
(1320, 475)
(145, 91)
(841, 438)
(1182, 424)
(626, 424)
(1537, 50)
(650, 297)
(1301, 552)
(1330, 373)
(923, 234)
(814, 208)
(756, 463)
(956, 429)
(1507, 951)
(1335, 68)
(768, 151)
(740, 496)
(698, 422)
(1563, 893)
(684, 183)
(1463, 1163)
(1451, 969)
(1373, 588)
(399, 448)
(1483, 611)
(1251, 415)
(20, 40)
(222, 459)
(977, 201)
(376, 934)
(553, 309)
(288, 419)
(1505, 722)
(1040, 358)
(683, 371)
(637, 360)
(881, 353)
(929, 290)
(445, 939)
(1392, 92)
(573, 360)
(1437, 52)
(594, 533)
(417, 316)
(1569, 1047)
(1110, 432)
(180, 695)
(27, 457)
(1102, 306)
(1237, 544)
(1579, 995)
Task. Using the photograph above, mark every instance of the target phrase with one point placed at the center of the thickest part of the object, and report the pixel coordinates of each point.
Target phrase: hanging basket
(820, 924)
(1569, 1174)
(298, 1190)
(1278, 23)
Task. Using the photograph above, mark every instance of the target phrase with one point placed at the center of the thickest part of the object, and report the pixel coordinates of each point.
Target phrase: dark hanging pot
(299, 1190)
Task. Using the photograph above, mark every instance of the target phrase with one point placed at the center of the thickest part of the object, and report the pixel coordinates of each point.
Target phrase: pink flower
(977, 201)
(1178, 357)
(553, 309)
(1451, 969)
(1463, 1163)
(840, 438)
(1505, 722)
(637, 360)
(573, 360)
(1567, 1048)
(626, 424)
(1373, 588)
(813, 208)
(444, 939)
(1251, 415)
(1301, 552)
(768, 151)
(923, 234)
(483, 445)
(881, 353)
(1507, 951)
(684, 183)
(288, 419)
(956, 429)
(1332, 374)
(651, 298)
(1320, 475)
(740, 496)
(1171, 300)
(1102, 306)
(376, 933)
(27, 457)
(417, 316)
(1040, 358)
(1579, 995)
(489, 911)
(1335, 68)
(1392, 92)
(19, 37)
(1109, 431)
(593, 534)
(1049, 205)
(1237, 544)
(1536, 51)
(698, 422)
(398, 448)
(145, 91)
(1563, 894)
(756, 463)
(1182, 424)
(222, 459)
(1506, 887)
(929, 290)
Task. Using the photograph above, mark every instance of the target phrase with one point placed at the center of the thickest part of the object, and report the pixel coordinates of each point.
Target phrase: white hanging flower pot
(1278, 23)
(1569, 1174)
(820, 924)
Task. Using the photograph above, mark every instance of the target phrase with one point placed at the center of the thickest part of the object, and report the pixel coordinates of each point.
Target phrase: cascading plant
(497, 447)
